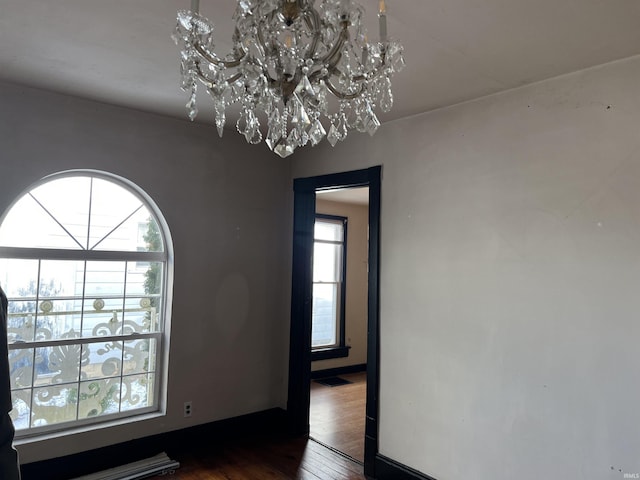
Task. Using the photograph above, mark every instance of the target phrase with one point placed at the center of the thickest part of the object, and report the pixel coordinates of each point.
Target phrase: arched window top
(81, 211)
(85, 259)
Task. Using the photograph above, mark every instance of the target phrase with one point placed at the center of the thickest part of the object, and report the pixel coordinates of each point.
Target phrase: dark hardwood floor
(337, 415)
(273, 457)
(337, 419)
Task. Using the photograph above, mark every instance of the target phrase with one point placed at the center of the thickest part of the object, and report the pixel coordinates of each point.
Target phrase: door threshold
(335, 450)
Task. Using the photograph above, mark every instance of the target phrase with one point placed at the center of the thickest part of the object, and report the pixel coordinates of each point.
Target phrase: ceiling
(355, 195)
(120, 51)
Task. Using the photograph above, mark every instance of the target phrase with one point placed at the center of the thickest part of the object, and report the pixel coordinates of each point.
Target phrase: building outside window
(329, 262)
(84, 260)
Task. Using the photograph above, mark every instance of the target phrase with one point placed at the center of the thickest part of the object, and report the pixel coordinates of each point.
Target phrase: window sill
(331, 352)
(28, 438)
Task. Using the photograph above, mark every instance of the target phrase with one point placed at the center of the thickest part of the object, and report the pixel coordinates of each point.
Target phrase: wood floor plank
(337, 415)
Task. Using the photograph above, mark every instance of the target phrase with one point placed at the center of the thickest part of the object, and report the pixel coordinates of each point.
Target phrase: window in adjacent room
(329, 261)
(84, 260)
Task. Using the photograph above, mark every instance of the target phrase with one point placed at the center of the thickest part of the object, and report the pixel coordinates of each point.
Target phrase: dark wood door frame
(301, 301)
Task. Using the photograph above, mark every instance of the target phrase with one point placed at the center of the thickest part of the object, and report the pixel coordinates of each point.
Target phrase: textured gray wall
(510, 265)
(228, 206)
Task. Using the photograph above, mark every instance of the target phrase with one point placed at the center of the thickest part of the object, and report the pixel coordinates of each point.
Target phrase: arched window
(84, 260)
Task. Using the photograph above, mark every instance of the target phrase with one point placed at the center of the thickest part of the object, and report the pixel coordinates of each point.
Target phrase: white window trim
(162, 337)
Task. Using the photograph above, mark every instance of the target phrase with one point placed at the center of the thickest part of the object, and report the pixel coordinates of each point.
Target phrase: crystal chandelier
(295, 65)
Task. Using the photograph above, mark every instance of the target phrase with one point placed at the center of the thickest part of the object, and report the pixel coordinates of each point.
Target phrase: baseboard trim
(85, 463)
(333, 372)
(388, 469)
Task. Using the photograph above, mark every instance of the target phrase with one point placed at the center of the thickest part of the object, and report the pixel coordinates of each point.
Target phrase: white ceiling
(356, 195)
(120, 51)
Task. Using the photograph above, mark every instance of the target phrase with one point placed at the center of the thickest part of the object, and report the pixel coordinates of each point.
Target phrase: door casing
(302, 299)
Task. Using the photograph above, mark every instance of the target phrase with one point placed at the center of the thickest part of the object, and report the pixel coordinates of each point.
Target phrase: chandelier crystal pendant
(295, 65)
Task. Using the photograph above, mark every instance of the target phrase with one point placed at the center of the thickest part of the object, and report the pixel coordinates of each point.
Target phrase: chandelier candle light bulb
(295, 64)
(382, 19)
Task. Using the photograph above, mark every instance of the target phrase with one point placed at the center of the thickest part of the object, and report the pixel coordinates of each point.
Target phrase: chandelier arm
(203, 79)
(261, 41)
(265, 49)
(210, 83)
(375, 72)
(341, 95)
(234, 78)
(312, 19)
(333, 56)
(216, 61)
(359, 78)
(317, 75)
(206, 81)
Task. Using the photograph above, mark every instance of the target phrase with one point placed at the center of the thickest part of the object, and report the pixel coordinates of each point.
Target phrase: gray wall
(510, 280)
(228, 206)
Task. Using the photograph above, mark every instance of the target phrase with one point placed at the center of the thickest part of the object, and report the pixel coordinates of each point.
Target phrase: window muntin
(86, 321)
(78, 213)
(327, 327)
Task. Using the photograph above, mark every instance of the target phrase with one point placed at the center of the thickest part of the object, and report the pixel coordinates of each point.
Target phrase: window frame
(161, 336)
(339, 349)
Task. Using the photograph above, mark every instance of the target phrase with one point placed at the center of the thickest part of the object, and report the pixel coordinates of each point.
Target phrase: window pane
(144, 278)
(61, 278)
(149, 238)
(120, 221)
(140, 315)
(105, 278)
(143, 303)
(139, 356)
(99, 397)
(327, 262)
(21, 321)
(325, 302)
(137, 391)
(67, 201)
(58, 319)
(328, 230)
(102, 317)
(21, 367)
(61, 364)
(54, 404)
(101, 359)
(21, 411)
(28, 225)
(138, 233)
(18, 277)
(153, 277)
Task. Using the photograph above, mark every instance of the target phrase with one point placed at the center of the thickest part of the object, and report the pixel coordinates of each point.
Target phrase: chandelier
(303, 68)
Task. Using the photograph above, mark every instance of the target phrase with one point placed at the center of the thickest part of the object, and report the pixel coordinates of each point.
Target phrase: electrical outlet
(187, 409)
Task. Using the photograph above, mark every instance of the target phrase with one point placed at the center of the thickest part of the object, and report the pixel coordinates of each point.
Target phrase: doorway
(339, 320)
(298, 406)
